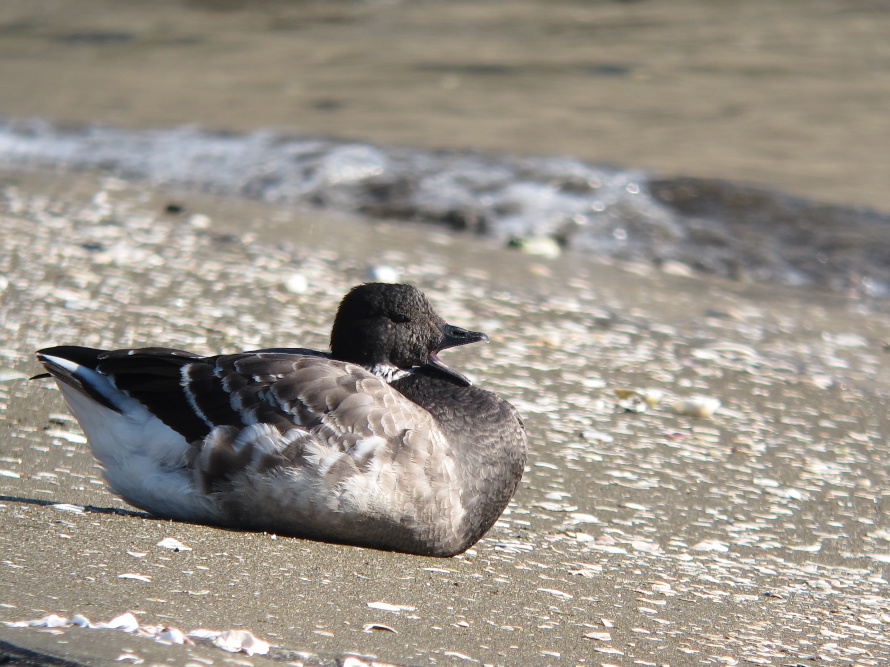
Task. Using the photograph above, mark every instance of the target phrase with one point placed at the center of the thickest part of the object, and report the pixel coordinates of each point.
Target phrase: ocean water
(706, 225)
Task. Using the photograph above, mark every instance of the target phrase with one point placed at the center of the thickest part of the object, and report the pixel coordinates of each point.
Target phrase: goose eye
(399, 318)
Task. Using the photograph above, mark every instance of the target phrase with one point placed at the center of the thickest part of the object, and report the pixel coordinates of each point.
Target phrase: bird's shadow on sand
(92, 509)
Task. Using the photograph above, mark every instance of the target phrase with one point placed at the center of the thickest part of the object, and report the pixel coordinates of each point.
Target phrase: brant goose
(377, 444)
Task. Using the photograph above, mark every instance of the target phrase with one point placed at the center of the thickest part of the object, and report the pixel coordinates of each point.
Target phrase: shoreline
(540, 205)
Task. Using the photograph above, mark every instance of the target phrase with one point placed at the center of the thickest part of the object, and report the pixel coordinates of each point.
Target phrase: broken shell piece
(174, 636)
(126, 622)
(710, 545)
(51, 621)
(542, 246)
(371, 627)
(386, 606)
(652, 396)
(65, 507)
(357, 661)
(173, 544)
(638, 400)
(695, 406)
(296, 283)
(200, 221)
(675, 268)
(241, 640)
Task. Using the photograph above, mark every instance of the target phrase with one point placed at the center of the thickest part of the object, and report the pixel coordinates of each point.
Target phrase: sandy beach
(652, 536)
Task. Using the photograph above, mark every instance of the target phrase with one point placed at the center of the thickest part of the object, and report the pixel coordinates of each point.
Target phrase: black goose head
(393, 325)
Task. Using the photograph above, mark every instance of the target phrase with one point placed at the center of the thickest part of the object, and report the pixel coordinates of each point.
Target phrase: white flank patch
(367, 446)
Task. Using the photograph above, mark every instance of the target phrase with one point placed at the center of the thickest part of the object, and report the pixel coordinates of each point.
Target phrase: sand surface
(760, 533)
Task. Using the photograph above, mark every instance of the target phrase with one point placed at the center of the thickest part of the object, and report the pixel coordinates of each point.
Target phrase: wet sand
(759, 534)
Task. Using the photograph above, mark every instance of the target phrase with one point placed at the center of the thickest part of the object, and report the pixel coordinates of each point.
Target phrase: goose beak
(452, 337)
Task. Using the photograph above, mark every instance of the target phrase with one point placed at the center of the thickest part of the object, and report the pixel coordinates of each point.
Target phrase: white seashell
(638, 400)
(135, 659)
(76, 438)
(174, 636)
(556, 593)
(200, 221)
(126, 622)
(645, 547)
(675, 268)
(663, 588)
(50, 621)
(371, 627)
(356, 661)
(65, 507)
(736, 349)
(133, 575)
(173, 544)
(845, 339)
(540, 246)
(695, 406)
(710, 545)
(386, 606)
(81, 621)
(296, 283)
(651, 396)
(241, 640)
